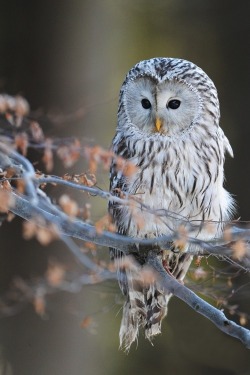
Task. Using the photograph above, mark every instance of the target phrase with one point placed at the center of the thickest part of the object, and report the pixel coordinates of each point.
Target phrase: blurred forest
(68, 59)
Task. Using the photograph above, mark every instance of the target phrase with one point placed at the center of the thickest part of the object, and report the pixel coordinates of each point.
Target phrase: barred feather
(179, 177)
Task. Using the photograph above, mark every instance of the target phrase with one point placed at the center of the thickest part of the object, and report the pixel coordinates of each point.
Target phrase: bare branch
(199, 305)
(35, 204)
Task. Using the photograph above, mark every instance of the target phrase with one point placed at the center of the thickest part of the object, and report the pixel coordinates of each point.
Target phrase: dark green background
(65, 55)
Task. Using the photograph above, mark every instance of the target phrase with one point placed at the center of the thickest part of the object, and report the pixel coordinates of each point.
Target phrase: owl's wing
(226, 144)
(117, 186)
(228, 147)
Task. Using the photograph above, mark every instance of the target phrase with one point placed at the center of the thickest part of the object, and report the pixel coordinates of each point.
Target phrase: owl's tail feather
(144, 308)
(146, 304)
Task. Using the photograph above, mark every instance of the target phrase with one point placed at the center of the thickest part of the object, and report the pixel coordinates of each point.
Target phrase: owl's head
(168, 96)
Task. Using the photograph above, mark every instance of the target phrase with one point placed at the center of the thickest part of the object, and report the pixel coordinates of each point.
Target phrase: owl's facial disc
(167, 108)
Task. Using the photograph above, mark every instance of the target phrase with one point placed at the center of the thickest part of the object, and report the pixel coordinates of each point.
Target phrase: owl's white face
(168, 107)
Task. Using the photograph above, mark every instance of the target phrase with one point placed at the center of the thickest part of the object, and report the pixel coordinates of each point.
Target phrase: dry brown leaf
(10, 216)
(88, 180)
(229, 282)
(21, 143)
(55, 274)
(199, 273)
(6, 201)
(90, 246)
(198, 260)
(29, 229)
(86, 212)
(69, 206)
(3, 104)
(46, 235)
(105, 223)
(126, 262)
(20, 186)
(36, 131)
(47, 158)
(227, 234)
(10, 172)
(210, 227)
(243, 319)
(69, 154)
(126, 167)
(39, 305)
(93, 155)
(232, 309)
(21, 106)
(181, 242)
(6, 185)
(86, 322)
(239, 249)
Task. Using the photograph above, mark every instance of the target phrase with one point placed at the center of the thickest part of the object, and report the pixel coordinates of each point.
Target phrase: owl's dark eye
(146, 103)
(174, 104)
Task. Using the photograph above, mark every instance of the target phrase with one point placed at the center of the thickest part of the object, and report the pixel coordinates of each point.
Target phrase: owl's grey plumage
(168, 127)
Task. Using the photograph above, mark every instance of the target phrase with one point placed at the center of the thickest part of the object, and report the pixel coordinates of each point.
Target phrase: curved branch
(29, 171)
(86, 232)
(216, 316)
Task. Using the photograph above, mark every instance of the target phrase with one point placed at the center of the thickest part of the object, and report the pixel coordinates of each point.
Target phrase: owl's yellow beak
(158, 124)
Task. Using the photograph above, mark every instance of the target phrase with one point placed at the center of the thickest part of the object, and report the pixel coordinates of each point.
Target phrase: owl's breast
(176, 194)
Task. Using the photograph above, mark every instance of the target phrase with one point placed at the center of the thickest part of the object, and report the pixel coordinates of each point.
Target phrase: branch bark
(36, 204)
(216, 316)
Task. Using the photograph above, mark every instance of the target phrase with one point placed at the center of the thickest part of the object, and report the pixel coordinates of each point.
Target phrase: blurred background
(70, 57)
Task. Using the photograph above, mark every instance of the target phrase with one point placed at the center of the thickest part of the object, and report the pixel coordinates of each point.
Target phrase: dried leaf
(29, 229)
(21, 106)
(43, 234)
(69, 154)
(105, 223)
(10, 216)
(91, 246)
(10, 172)
(21, 143)
(20, 186)
(243, 319)
(227, 234)
(48, 156)
(181, 242)
(6, 201)
(3, 104)
(229, 282)
(39, 305)
(239, 249)
(55, 274)
(199, 273)
(88, 180)
(86, 212)
(46, 235)
(126, 167)
(69, 206)
(6, 186)
(36, 131)
(86, 322)
(198, 260)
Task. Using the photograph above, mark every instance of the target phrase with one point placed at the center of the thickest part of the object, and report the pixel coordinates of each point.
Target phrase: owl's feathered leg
(134, 309)
(146, 304)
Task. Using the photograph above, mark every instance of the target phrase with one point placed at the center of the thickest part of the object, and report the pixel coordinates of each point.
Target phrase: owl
(168, 128)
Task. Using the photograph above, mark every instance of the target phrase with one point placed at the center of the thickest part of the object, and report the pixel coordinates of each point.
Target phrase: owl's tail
(147, 303)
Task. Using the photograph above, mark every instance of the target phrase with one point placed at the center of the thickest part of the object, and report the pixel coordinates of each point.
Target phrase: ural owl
(168, 127)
